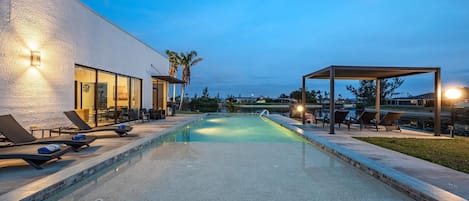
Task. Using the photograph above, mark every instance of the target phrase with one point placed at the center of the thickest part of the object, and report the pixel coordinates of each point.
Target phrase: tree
(187, 60)
(296, 95)
(205, 93)
(174, 61)
(283, 96)
(312, 96)
(204, 103)
(366, 92)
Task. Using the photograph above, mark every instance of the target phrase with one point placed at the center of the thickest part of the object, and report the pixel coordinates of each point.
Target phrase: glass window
(123, 94)
(158, 95)
(136, 94)
(105, 98)
(85, 80)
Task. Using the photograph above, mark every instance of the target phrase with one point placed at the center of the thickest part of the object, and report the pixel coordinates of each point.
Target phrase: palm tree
(174, 61)
(187, 61)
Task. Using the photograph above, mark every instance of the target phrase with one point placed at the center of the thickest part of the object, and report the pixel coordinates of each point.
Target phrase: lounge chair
(310, 118)
(83, 127)
(390, 121)
(16, 134)
(144, 115)
(340, 117)
(29, 153)
(368, 118)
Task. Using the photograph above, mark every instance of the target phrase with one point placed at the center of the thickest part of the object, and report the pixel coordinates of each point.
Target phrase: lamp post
(453, 94)
(300, 109)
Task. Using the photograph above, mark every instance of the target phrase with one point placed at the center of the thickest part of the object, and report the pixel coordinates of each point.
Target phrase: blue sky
(263, 47)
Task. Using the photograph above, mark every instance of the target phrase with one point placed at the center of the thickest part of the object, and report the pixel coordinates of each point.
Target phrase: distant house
(284, 100)
(246, 99)
(419, 100)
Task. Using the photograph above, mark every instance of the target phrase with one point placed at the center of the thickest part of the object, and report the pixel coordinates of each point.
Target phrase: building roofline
(118, 27)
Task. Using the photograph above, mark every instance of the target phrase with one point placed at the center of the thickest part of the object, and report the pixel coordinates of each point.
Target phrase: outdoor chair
(145, 115)
(29, 153)
(310, 118)
(132, 114)
(368, 118)
(83, 127)
(390, 121)
(16, 134)
(340, 117)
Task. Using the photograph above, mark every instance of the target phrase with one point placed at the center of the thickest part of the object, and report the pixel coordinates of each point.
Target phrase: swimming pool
(231, 158)
(234, 128)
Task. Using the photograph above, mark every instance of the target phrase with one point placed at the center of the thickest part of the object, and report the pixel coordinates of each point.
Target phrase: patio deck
(445, 178)
(17, 173)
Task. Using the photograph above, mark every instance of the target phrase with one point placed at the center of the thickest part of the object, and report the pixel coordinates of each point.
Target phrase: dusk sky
(264, 47)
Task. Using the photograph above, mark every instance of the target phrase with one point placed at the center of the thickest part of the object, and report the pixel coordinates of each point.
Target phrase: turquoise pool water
(235, 128)
(231, 158)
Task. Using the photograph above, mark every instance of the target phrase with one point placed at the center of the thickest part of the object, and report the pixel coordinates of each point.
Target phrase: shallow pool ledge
(47, 186)
(411, 186)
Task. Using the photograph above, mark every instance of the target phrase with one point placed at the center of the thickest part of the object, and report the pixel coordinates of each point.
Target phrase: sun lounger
(368, 118)
(340, 117)
(390, 121)
(29, 153)
(16, 134)
(83, 127)
(310, 118)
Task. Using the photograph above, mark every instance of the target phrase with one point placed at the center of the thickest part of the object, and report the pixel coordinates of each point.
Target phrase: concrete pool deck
(449, 180)
(20, 180)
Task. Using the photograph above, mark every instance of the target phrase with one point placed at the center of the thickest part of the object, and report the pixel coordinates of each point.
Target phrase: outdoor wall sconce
(35, 58)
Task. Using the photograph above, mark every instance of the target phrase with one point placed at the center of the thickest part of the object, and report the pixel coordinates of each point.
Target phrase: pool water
(232, 158)
(236, 128)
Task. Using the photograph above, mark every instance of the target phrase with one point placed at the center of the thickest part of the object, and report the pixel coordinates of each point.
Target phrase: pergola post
(303, 100)
(378, 100)
(331, 101)
(437, 103)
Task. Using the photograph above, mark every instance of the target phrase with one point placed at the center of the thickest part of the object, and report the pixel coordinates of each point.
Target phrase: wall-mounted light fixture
(35, 58)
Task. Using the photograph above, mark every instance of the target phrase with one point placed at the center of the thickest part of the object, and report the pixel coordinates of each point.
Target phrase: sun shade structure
(372, 73)
(170, 79)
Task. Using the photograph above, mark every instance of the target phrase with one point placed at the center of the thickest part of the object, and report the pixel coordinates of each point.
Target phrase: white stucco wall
(66, 33)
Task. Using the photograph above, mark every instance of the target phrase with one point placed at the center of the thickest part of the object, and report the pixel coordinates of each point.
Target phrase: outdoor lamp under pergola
(300, 108)
(453, 94)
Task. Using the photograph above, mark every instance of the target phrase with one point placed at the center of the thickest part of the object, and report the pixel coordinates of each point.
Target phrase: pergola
(371, 73)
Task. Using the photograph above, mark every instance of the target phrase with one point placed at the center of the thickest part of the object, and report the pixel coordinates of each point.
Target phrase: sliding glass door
(85, 91)
(106, 112)
(104, 98)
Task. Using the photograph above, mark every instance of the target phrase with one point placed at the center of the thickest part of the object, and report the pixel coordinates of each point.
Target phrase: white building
(58, 55)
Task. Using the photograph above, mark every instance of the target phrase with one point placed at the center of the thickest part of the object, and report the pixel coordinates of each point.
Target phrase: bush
(204, 104)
